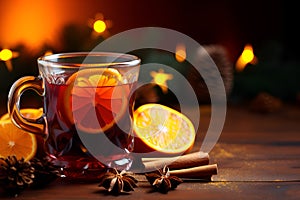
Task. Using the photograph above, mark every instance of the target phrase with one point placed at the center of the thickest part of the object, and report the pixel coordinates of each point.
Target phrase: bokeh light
(6, 54)
(180, 53)
(245, 58)
(99, 26)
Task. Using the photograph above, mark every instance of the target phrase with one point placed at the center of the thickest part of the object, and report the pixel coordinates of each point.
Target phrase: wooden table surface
(258, 157)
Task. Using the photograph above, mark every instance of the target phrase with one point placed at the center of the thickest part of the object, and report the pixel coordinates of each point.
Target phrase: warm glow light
(35, 23)
(29, 23)
(48, 53)
(99, 26)
(6, 55)
(245, 58)
(161, 78)
(180, 54)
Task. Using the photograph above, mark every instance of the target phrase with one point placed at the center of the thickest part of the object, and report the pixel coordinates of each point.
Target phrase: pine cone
(15, 175)
(45, 172)
(219, 56)
(265, 103)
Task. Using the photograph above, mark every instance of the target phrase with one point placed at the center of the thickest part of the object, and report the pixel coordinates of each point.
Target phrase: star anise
(118, 182)
(162, 181)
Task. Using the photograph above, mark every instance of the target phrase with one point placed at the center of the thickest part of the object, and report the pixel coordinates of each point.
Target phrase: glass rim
(52, 60)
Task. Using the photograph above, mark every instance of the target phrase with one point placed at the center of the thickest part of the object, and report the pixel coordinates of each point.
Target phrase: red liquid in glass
(65, 132)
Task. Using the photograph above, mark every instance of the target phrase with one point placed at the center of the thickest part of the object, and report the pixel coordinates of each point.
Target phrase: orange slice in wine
(97, 99)
(162, 129)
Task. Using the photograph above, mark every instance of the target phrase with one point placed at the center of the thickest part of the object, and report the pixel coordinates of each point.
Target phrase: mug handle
(35, 126)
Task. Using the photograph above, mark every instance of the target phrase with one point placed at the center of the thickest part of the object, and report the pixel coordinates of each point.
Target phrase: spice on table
(162, 181)
(189, 166)
(117, 183)
(194, 159)
(201, 172)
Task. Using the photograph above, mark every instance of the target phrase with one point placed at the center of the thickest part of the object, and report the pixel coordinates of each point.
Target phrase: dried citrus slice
(32, 113)
(14, 141)
(163, 129)
(98, 99)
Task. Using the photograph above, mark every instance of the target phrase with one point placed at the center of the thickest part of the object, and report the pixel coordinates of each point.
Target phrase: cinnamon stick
(180, 162)
(201, 172)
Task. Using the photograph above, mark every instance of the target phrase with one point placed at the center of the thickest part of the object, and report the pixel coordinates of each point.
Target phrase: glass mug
(88, 108)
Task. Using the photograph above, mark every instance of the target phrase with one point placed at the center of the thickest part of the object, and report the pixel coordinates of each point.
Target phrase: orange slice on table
(162, 129)
(14, 141)
(97, 99)
(31, 113)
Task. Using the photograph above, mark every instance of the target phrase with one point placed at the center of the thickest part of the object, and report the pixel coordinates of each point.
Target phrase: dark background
(270, 26)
